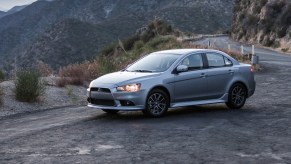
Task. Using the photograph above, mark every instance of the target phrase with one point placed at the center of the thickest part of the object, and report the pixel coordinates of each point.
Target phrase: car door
(220, 72)
(191, 85)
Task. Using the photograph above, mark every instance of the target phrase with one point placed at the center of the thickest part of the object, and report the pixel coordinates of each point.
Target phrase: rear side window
(217, 60)
(228, 62)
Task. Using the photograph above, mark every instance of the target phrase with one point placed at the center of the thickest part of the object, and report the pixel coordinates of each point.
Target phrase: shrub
(105, 65)
(44, 69)
(146, 36)
(108, 49)
(129, 43)
(156, 41)
(77, 74)
(71, 74)
(285, 49)
(28, 86)
(2, 76)
(1, 96)
(138, 45)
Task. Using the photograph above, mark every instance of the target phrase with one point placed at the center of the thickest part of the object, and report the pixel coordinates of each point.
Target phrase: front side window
(215, 60)
(193, 62)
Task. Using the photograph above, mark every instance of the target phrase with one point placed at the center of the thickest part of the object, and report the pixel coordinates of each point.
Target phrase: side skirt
(223, 99)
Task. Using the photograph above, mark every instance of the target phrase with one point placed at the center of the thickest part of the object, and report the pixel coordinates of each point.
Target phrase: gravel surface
(54, 97)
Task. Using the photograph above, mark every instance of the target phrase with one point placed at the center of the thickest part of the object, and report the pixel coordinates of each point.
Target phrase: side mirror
(182, 68)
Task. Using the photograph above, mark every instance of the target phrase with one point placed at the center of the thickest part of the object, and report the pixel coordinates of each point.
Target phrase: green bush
(28, 86)
(146, 36)
(138, 45)
(106, 65)
(108, 49)
(129, 43)
(1, 96)
(2, 76)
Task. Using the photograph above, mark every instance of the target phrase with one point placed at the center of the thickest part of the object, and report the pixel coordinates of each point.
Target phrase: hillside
(28, 33)
(2, 13)
(12, 11)
(267, 22)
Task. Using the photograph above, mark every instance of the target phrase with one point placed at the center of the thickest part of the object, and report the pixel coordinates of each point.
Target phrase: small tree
(2, 76)
(1, 96)
(28, 86)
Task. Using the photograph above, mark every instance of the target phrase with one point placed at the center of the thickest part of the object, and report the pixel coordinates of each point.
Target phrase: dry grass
(77, 74)
(44, 69)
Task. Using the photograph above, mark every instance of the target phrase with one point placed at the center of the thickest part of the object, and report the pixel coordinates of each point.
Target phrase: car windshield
(155, 62)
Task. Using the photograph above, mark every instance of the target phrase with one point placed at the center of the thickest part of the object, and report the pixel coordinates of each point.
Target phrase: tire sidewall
(165, 95)
(230, 104)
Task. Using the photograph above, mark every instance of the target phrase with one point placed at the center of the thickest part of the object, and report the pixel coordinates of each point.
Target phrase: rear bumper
(252, 89)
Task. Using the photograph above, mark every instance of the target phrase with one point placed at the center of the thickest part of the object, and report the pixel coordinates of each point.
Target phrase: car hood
(122, 78)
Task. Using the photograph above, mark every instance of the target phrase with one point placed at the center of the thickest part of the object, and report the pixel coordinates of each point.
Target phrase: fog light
(126, 103)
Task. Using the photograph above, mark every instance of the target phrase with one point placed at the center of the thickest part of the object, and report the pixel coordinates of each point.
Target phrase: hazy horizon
(6, 5)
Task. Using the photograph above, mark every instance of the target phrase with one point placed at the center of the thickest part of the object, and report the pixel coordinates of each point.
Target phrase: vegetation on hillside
(1, 96)
(2, 76)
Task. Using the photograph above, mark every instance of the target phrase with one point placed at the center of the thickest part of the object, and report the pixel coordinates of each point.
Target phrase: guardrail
(202, 36)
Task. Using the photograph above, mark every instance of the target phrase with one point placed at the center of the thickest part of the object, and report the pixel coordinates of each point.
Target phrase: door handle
(231, 71)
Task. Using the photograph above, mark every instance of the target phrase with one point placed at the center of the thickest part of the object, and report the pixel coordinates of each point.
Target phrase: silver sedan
(174, 78)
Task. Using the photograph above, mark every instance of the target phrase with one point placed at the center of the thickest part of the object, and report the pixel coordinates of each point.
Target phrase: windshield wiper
(140, 70)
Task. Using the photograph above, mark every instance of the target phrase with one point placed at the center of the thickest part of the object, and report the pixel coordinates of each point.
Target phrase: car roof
(184, 51)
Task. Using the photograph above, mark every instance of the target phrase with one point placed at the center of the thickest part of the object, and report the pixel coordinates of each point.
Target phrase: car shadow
(205, 111)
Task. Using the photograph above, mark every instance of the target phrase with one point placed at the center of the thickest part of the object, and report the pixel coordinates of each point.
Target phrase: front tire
(237, 96)
(157, 103)
(110, 111)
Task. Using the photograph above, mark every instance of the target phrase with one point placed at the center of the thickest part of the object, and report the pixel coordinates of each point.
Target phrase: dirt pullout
(54, 97)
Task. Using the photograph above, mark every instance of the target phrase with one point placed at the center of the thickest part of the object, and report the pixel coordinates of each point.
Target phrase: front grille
(105, 90)
(102, 102)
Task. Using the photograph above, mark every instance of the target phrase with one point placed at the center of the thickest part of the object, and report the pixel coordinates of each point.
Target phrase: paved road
(259, 133)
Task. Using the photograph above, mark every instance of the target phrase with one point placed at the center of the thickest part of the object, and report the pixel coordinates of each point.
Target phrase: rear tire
(237, 96)
(157, 103)
(110, 111)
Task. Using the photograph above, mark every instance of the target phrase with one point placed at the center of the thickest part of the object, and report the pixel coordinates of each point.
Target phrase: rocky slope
(267, 22)
(32, 32)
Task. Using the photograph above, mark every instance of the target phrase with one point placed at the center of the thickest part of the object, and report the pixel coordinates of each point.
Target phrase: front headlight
(129, 88)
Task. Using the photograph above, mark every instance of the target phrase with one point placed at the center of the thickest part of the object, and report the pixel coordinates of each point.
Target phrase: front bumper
(116, 100)
(124, 108)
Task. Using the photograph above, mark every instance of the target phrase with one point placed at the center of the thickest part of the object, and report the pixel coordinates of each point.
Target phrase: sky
(8, 4)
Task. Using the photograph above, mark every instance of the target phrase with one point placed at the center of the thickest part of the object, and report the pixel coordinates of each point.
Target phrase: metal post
(242, 49)
(255, 58)
(209, 43)
(229, 47)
